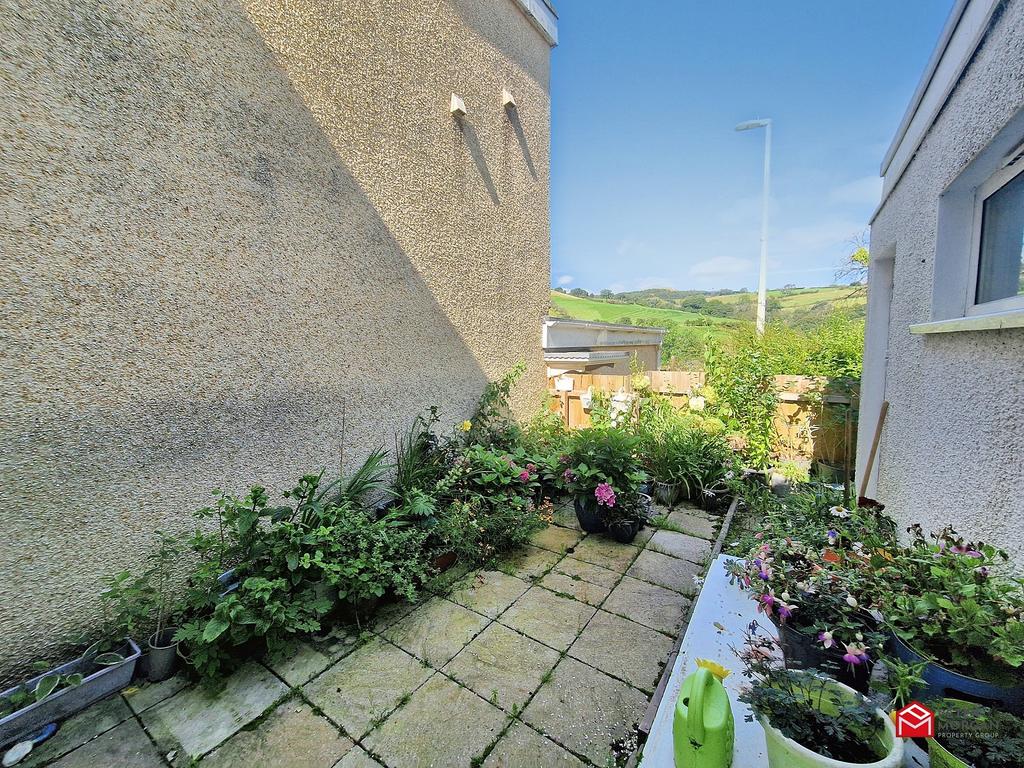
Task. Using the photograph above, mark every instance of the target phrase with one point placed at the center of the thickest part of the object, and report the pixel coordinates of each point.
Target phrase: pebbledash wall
(952, 447)
(228, 225)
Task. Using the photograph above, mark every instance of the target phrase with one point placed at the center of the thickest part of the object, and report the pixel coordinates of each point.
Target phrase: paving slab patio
(523, 747)
(680, 545)
(648, 604)
(545, 665)
(623, 649)
(529, 562)
(585, 710)
(436, 631)
(557, 539)
(97, 719)
(442, 724)
(502, 666)
(366, 685)
(666, 571)
(578, 589)
(488, 592)
(291, 736)
(607, 553)
(195, 720)
(695, 522)
(126, 746)
(549, 618)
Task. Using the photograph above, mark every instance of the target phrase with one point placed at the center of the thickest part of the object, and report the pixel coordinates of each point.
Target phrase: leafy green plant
(809, 708)
(93, 658)
(141, 605)
(944, 597)
(979, 736)
(492, 425)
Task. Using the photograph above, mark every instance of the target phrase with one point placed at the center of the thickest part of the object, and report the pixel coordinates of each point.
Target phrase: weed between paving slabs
(550, 659)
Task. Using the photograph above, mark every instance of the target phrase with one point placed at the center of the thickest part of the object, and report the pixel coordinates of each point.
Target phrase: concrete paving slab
(291, 736)
(648, 604)
(488, 592)
(195, 720)
(578, 589)
(595, 574)
(548, 618)
(502, 666)
(366, 685)
(523, 747)
(125, 746)
(607, 553)
(623, 649)
(665, 571)
(442, 724)
(528, 562)
(78, 729)
(436, 631)
(680, 545)
(557, 539)
(585, 710)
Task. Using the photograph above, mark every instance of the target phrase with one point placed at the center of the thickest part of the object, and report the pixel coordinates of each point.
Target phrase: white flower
(730, 475)
(858, 547)
(839, 512)
(851, 601)
(697, 403)
(785, 596)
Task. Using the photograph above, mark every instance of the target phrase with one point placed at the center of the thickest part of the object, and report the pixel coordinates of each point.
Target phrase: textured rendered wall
(952, 449)
(225, 224)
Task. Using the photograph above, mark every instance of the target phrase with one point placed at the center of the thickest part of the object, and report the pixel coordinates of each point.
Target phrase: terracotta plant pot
(443, 562)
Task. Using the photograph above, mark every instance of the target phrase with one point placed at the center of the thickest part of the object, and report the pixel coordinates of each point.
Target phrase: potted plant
(60, 692)
(811, 720)
(603, 465)
(821, 623)
(143, 604)
(946, 606)
(969, 734)
(626, 515)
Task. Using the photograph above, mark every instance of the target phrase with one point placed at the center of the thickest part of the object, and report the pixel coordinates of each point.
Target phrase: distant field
(802, 298)
(605, 312)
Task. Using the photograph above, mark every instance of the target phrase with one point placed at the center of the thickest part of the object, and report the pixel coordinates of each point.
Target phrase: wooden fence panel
(811, 423)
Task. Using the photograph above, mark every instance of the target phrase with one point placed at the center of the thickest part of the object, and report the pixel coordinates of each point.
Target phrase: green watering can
(702, 727)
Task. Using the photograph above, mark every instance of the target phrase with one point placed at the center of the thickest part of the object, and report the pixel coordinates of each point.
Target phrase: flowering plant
(805, 706)
(943, 596)
(602, 467)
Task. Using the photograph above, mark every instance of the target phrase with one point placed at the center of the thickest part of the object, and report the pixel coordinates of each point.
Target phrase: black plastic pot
(590, 517)
(802, 651)
(624, 531)
(162, 656)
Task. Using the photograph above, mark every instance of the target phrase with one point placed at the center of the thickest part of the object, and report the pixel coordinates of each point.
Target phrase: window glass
(1001, 261)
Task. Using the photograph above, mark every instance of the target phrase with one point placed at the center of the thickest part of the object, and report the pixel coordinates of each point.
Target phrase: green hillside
(579, 308)
(803, 298)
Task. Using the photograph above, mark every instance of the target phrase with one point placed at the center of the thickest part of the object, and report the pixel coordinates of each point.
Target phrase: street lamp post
(762, 283)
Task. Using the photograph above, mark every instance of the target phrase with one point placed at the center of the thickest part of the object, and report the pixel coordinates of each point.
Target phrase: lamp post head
(752, 124)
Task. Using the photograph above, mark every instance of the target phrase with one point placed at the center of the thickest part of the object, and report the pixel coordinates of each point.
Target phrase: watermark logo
(915, 721)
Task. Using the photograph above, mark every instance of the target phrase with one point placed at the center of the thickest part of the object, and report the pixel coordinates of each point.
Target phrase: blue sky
(651, 186)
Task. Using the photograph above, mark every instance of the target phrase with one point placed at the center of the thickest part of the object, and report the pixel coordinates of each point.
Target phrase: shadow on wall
(202, 294)
(477, 153)
(517, 127)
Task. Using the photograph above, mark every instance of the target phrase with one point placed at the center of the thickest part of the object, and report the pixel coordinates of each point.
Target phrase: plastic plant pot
(624, 531)
(67, 701)
(590, 517)
(941, 683)
(786, 753)
(802, 651)
(162, 655)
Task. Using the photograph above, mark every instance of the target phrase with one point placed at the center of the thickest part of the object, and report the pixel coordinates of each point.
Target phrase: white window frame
(996, 182)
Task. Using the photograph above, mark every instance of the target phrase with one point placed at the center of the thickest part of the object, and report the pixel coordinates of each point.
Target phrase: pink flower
(766, 602)
(826, 638)
(525, 475)
(531, 467)
(856, 654)
(605, 494)
(568, 475)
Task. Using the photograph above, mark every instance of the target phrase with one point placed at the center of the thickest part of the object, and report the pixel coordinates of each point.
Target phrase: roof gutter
(966, 27)
(542, 15)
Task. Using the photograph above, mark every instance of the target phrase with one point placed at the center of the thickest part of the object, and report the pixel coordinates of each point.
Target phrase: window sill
(993, 322)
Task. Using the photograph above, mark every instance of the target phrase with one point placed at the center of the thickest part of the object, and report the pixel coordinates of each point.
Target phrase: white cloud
(565, 279)
(865, 191)
(722, 266)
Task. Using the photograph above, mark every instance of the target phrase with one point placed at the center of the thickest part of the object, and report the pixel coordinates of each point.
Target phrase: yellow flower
(714, 668)
(467, 425)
